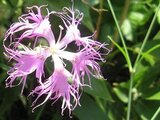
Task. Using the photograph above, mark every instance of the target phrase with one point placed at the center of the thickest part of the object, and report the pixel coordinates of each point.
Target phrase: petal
(26, 63)
(55, 87)
(71, 19)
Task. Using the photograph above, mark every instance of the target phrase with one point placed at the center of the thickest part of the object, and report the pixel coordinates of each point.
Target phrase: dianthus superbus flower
(29, 55)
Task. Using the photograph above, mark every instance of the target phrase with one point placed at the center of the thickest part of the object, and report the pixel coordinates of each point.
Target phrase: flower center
(53, 50)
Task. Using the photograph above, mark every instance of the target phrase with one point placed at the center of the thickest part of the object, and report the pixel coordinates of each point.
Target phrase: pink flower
(64, 82)
(32, 25)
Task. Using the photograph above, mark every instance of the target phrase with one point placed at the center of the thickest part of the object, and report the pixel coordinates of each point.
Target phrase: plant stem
(130, 96)
(155, 114)
(128, 62)
(132, 69)
(146, 37)
(137, 60)
(121, 36)
(135, 65)
(123, 17)
(127, 59)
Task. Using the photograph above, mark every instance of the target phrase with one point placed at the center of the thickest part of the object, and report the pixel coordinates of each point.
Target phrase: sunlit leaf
(127, 30)
(121, 93)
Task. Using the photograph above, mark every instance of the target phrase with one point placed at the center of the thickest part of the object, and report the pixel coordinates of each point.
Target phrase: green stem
(121, 36)
(149, 51)
(132, 69)
(123, 17)
(146, 37)
(137, 60)
(155, 114)
(130, 97)
(127, 59)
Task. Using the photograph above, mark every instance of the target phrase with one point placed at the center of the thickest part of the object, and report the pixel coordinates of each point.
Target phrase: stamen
(60, 34)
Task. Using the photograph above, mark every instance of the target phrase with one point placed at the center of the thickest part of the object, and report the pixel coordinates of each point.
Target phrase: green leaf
(139, 15)
(119, 47)
(157, 36)
(10, 96)
(3, 76)
(155, 96)
(158, 16)
(4, 8)
(99, 89)
(146, 109)
(89, 110)
(91, 2)
(87, 20)
(147, 85)
(121, 94)
(140, 73)
(149, 48)
(127, 30)
(137, 18)
(149, 58)
(52, 5)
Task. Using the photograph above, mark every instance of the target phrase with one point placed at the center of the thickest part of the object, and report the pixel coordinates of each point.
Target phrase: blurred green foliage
(107, 99)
